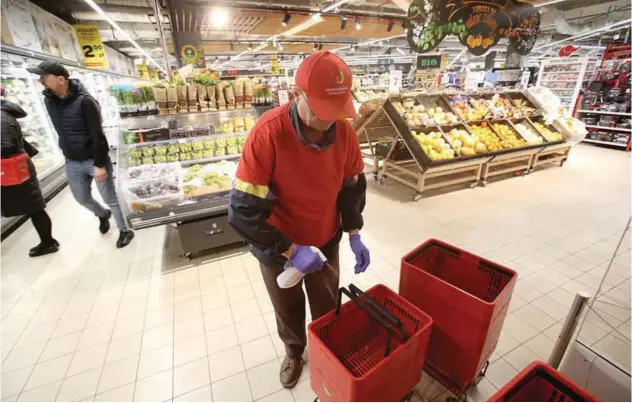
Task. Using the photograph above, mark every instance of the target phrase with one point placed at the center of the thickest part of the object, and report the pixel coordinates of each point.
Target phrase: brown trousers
(289, 303)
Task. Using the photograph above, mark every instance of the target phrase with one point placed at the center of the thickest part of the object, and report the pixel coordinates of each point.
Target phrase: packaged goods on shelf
(134, 100)
(209, 178)
(151, 187)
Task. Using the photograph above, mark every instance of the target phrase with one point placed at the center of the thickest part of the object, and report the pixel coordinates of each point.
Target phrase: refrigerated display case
(178, 169)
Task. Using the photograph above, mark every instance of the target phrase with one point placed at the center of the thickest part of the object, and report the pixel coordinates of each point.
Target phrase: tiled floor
(96, 323)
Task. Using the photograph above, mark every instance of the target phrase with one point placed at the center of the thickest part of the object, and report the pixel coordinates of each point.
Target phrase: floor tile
(44, 393)
(481, 392)
(534, 317)
(264, 379)
(245, 310)
(23, 357)
(506, 343)
(214, 301)
(128, 325)
(48, 372)
(258, 351)
(123, 393)
(156, 388)
(218, 318)
(500, 373)
(251, 329)
(124, 347)
(157, 337)
(520, 357)
(36, 334)
(302, 392)
(154, 361)
(187, 328)
(518, 329)
(189, 350)
(87, 359)
(233, 389)
(541, 345)
(191, 376)
(60, 346)
(226, 363)
(283, 395)
(240, 293)
(118, 374)
(202, 394)
(95, 335)
(13, 382)
(221, 339)
(80, 386)
(187, 308)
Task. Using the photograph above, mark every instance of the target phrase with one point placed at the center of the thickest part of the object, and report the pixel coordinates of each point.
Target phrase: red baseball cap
(326, 81)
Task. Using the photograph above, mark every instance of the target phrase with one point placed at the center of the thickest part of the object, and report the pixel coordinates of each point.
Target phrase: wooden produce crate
(517, 160)
(523, 106)
(555, 152)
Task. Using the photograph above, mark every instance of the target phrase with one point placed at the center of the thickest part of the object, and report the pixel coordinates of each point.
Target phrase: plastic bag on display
(210, 93)
(573, 130)
(546, 100)
(202, 98)
(152, 187)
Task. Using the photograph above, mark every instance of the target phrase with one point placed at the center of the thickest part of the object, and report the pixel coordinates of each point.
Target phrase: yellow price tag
(143, 72)
(274, 65)
(94, 56)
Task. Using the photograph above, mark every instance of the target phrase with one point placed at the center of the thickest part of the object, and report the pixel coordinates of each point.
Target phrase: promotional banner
(20, 30)
(189, 48)
(143, 72)
(274, 65)
(94, 56)
(479, 24)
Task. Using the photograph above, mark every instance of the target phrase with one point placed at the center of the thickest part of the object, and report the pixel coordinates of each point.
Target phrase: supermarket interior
(495, 136)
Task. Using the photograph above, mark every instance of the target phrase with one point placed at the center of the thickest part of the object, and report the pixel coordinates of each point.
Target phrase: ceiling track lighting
(356, 24)
(343, 22)
(390, 25)
(286, 19)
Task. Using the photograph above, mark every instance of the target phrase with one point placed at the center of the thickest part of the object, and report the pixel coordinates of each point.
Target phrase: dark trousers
(289, 303)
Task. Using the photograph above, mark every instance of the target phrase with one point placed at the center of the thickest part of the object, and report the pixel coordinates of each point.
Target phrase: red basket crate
(467, 298)
(539, 382)
(349, 353)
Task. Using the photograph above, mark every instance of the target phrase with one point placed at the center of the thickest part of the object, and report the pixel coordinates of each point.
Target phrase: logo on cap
(339, 79)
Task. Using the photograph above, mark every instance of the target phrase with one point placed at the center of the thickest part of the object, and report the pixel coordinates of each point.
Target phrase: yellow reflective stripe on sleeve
(260, 191)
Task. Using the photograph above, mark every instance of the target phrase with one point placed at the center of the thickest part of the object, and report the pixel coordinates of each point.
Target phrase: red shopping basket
(467, 298)
(539, 382)
(15, 170)
(371, 348)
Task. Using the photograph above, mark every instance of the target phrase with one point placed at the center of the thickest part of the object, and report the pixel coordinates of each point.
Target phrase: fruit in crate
(529, 134)
(399, 107)
(434, 145)
(439, 117)
(548, 134)
(469, 113)
(524, 107)
(509, 137)
(466, 144)
(487, 137)
(210, 178)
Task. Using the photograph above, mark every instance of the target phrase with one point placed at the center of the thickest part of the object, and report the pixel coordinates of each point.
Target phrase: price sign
(395, 81)
(153, 74)
(274, 65)
(91, 46)
(143, 72)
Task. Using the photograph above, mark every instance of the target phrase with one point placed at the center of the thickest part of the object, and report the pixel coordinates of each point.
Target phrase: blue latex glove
(307, 259)
(361, 253)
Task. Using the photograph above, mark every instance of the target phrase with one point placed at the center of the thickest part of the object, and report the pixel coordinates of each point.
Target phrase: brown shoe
(291, 369)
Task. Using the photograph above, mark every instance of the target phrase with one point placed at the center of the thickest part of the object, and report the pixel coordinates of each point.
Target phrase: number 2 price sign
(91, 46)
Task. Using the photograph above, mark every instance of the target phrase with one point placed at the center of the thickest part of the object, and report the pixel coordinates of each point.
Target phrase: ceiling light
(356, 24)
(401, 52)
(390, 25)
(286, 19)
(219, 17)
(124, 34)
(343, 22)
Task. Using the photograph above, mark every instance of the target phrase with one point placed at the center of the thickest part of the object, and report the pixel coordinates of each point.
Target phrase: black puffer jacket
(25, 198)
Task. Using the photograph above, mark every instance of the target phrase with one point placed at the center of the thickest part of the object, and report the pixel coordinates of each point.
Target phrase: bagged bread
(202, 98)
(192, 97)
(219, 93)
(239, 93)
(248, 90)
(172, 99)
(210, 94)
(160, 96)
(230, 96)
(182, 97)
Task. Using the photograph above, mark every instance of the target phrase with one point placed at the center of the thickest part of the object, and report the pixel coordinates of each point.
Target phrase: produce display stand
(420, 173)
(370, 128)
(200, 217)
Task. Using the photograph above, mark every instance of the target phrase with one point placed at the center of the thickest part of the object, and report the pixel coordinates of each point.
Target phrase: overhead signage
(91, 46)
(567, 50)
(425, 62)
(479, 24)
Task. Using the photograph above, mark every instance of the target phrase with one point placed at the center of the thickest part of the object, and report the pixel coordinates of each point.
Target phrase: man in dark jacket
(76, 116)
(24, 199)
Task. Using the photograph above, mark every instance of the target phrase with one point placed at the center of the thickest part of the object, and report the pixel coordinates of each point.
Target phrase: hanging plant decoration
(478, 24)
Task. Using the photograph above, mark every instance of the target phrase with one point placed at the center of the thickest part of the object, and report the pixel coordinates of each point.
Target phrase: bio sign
(429, 62)
(91, 46)
(478, 24)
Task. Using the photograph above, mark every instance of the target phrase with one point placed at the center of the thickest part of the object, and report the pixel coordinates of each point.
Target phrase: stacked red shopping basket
(539, 382)
(467, 297)
(371, 348)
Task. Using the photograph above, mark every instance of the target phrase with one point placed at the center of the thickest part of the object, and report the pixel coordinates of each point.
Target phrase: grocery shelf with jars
(430, 140)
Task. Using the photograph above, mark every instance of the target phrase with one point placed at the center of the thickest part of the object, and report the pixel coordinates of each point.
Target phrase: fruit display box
(468, 107)
(522, 104)
(549, 132)
(511, 140)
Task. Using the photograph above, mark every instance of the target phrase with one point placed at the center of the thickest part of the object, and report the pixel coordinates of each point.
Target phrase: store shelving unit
(415, 169)
(563, 76)
(199, 213)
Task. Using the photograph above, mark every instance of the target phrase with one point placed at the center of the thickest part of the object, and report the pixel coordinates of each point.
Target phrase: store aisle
(96, 323)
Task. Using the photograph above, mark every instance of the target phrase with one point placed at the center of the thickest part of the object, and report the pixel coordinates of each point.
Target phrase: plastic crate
(467, 297)
(539, 382)
(351, 357)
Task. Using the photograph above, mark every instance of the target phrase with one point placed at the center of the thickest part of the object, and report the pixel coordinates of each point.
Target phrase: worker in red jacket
(299, 185)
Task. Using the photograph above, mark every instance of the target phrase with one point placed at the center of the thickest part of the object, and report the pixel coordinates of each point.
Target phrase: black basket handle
(367, 309)
(358, 292)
